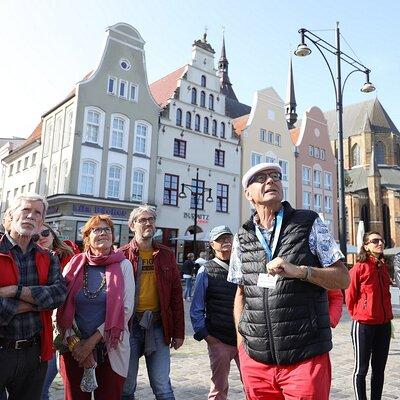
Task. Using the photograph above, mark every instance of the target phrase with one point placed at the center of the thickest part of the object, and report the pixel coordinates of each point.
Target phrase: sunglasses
(262, 177)
(376, 241)
(45, 233)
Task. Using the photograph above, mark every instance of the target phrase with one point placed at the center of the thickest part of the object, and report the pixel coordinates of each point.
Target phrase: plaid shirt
(26, 325)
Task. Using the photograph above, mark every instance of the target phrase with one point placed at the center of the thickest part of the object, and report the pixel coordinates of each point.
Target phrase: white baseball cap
(256, 169)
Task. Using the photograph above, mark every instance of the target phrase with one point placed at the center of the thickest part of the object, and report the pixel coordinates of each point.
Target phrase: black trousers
(370, 343)
(22, 373)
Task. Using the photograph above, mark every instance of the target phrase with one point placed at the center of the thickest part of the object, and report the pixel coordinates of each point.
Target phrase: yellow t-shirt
(148, 295)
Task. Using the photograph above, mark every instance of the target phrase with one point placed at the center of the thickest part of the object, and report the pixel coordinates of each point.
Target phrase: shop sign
(85, 209)
(201, 218)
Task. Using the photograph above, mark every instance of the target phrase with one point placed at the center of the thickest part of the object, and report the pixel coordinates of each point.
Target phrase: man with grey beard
(31, 286)
(158, 319)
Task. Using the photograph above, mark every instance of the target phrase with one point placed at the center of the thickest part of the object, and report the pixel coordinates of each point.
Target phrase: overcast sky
(49, 45)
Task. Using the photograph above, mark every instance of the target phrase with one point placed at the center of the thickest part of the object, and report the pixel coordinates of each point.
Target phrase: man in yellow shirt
(158, 321)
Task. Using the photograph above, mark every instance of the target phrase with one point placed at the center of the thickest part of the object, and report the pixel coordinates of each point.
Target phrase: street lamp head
(182, 195)
(209, 199)
(302, 50)
(368, 87)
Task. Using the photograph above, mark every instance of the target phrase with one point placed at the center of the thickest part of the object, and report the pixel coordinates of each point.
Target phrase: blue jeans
(50, 375)
(188, 288)
(158, 364)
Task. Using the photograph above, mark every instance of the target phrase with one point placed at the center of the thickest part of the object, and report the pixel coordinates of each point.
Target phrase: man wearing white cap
(283, 261)
(211, 312)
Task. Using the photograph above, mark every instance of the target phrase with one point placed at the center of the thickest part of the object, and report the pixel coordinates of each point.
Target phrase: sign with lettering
(85, 209)
(201, 218)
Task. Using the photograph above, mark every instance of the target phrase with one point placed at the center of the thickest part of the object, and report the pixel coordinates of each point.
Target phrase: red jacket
(10, 276)
(368, 296)
(168, 286)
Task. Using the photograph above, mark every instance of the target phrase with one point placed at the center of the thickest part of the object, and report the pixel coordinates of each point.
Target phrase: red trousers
(306, 380)
(110, 383)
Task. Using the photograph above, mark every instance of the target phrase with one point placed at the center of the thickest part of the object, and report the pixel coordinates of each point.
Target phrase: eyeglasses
(144, 221)
(376, 241)
(99, 231)
(45, 233)
(263, 176)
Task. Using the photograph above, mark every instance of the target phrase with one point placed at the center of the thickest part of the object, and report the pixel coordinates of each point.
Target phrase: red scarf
(73, 272)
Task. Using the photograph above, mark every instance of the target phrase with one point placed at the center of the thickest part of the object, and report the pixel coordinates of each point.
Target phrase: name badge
(267, 281)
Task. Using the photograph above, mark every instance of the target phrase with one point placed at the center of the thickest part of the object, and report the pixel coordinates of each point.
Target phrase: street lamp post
(196, 193)
(302, 51)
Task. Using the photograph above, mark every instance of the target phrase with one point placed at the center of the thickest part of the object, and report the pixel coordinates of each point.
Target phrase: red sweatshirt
(368, 296)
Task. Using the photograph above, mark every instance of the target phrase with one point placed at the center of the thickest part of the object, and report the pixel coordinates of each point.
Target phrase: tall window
(112, 85)
(270, 137)
(133, 92)
(19, 166)
(311, 150)
(64, 177)
(284, 166)
(171, 183)
(328, 204)
(214, 127)
(263, 135)
(306, 200)
(137, 185)
(306, 175)
(380, 153)
(53, 180)
(47, 138)
(68, 128)
(202, 98)
(197, 123)
(317, 202)
(278, 139)
(203, 81)
(355, 155)
(327, 180)
(87, 177)
(33, 161)
(57, 134)
(117, 133)
(200, 195)
(123, 89)
(114, 181)
(141, 138)
(179, 148)
(205, 127)
(92, 126)
(222, 197)
(219, 159)
(222, 133)
(255, 159)
(211, 102)
(317, 178)
(26, 162)
(194, 96)
(188, 120)
(179, 117)
(43, 182)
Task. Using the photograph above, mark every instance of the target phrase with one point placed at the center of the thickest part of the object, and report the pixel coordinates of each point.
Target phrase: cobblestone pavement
(190, 368)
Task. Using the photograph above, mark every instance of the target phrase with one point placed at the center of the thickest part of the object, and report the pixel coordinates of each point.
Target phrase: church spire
(225, 83)
(290, 104)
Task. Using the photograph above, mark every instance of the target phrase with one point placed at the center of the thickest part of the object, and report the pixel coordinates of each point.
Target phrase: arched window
(43, 178)
(202, 98)
(211, 102)
(137, 185)
(179, 117)
(364, 216)
(205, 127)
(64, 177)
(194, 96)
(197, 123)
(214, 127)
(380, 153)
(119, 125)
(114, 181)
(222, 132)
(188, 120)
(88, 177)
(386, 225)
(53, 180)
(355, 155)
(203, 81)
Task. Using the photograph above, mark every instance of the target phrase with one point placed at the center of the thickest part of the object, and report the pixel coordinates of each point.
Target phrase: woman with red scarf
(369, 304)
(100, 300)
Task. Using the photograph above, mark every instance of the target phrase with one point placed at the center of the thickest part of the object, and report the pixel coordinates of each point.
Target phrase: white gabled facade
(195, 135)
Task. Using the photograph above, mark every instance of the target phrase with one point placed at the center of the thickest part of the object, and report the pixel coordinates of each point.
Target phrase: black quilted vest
(290, 323)
(219, 304)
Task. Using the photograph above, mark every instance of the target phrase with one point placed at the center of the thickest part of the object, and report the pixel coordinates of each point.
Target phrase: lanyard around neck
(269, 251)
